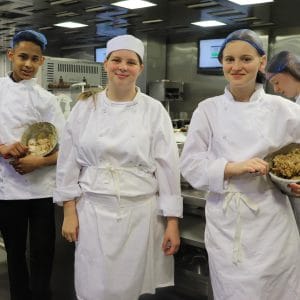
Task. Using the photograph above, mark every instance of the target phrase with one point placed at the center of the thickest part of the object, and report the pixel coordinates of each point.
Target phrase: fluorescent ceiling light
(134, 4)
(70, 25)
(250, 2)
(209, 23)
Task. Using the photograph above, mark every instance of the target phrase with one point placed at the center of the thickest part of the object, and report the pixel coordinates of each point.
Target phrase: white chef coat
(298, 99)
(251, 234)
(121, 161)
(22, 104)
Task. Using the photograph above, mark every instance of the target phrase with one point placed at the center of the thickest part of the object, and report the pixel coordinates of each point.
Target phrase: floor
(62, 278)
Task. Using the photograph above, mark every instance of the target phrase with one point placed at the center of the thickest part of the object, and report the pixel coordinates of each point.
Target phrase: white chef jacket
(121, 161)
(298, 99)
(22, 104)
(251, 235)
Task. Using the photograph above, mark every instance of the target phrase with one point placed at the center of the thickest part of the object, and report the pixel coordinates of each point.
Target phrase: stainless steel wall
(182, 66)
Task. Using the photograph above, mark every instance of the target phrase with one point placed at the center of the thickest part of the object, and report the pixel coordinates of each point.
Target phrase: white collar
(256, 96)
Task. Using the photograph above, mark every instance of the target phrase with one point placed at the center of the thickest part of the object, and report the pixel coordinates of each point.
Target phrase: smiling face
(241, 63)
(286, 85)
(26, 58)
(123, 68)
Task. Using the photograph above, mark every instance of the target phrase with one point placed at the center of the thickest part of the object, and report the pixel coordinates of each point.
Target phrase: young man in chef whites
(118, 178)
(26, 182)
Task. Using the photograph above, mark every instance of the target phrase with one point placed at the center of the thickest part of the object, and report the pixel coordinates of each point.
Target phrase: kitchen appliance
(166, 91)
(66, 78)
(57, 72)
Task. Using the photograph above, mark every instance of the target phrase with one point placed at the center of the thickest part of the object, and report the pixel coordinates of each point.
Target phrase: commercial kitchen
(181, 69)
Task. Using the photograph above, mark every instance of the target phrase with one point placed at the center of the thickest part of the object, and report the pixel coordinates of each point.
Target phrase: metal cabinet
(191, 262)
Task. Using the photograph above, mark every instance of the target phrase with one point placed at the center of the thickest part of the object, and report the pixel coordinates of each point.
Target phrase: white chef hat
(127, 42)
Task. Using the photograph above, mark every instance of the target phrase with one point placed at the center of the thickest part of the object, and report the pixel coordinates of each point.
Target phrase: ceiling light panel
(209, 23)
(134, 4)
(250, 2)
(70, 25)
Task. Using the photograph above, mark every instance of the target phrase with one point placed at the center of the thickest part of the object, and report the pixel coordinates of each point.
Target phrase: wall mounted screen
(208, 51)
(100, 54)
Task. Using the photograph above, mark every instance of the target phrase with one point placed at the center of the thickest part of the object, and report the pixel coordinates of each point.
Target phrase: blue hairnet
(245, 35)
(31, 36)
(284, 62)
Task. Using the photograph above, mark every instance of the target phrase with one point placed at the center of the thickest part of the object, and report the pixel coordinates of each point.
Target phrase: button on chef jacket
(22, 104)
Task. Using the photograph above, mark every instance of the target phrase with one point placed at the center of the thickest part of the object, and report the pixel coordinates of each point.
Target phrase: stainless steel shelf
(192, 231)
(194, 197)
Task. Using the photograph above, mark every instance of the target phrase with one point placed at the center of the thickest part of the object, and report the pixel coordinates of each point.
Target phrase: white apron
(118, 254)
(239, 270)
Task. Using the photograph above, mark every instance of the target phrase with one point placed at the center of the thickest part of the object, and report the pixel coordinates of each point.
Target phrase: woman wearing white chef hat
(251, 235)
(118, 178)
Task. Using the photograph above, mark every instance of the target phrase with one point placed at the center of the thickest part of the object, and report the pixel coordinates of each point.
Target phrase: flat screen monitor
(100, 54)
(208, 51)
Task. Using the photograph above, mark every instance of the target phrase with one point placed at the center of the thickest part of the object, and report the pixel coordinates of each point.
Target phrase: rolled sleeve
(170, 206)
(167, 168)
(216, 176)
(67, 170)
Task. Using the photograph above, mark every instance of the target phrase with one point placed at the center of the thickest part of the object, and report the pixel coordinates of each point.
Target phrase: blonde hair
(90, 93)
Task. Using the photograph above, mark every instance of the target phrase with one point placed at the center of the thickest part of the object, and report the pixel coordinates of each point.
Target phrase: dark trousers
(15, 217)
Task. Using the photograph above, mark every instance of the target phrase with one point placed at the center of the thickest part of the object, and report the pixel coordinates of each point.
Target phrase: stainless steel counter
(193, 197)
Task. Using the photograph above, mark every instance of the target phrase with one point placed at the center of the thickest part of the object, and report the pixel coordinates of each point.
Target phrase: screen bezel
(216, 70)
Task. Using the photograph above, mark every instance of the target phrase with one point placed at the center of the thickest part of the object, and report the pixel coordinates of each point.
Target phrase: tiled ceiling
(105, 20)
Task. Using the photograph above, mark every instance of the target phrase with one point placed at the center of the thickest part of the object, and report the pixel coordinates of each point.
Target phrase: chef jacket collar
(31, 81)
(109, 102)
(256, 96)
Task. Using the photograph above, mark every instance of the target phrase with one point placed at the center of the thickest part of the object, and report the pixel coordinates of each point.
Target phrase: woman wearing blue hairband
(27, 181)
(251, 234)
(283, 72)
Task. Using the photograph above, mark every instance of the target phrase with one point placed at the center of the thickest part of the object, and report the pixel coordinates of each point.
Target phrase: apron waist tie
(238, 198)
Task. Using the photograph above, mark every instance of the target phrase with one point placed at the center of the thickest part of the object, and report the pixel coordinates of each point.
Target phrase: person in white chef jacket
(251, 235)
(27, 182)
(118, 178)
(283, 72)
